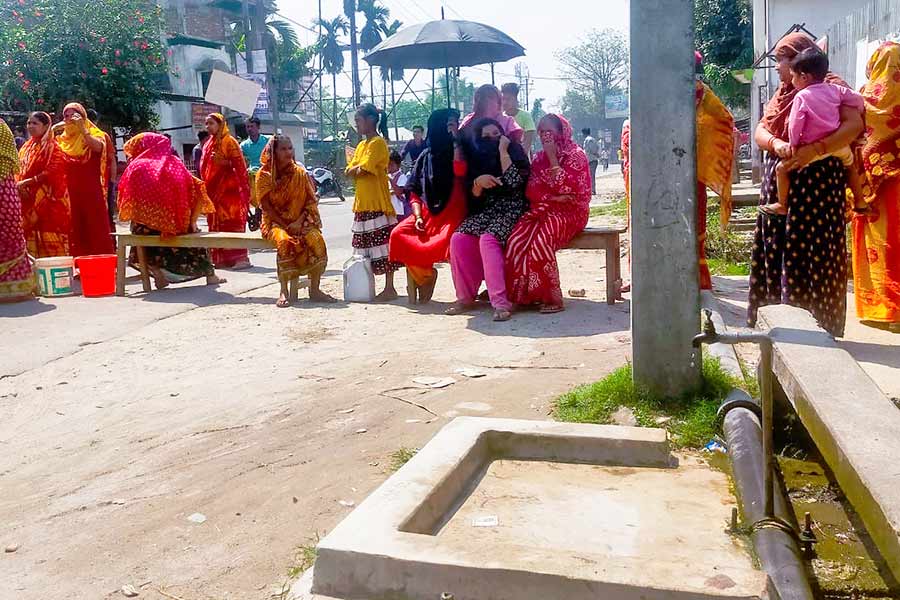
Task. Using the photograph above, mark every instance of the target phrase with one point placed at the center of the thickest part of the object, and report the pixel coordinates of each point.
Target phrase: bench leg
(618, 254)
(145, 271)
(294, 291)
(612, 272)
(121, 261)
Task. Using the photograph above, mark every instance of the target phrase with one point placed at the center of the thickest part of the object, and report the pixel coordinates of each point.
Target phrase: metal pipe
(774, 538)
(711, 336)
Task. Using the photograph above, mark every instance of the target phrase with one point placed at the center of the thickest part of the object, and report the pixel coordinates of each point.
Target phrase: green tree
(537, 110)
(113, 62)
(387, 73)
(370, 35)
(596, 65)
(332, 52)
(724, 35)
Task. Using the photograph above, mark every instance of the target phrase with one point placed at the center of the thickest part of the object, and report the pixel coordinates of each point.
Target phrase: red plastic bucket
(98, 274)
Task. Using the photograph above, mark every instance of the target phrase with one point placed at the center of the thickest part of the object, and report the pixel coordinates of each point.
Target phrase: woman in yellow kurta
(876, 230)
(291, 220)
(374, 215)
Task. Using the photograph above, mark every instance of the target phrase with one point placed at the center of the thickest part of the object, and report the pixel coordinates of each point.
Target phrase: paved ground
(122, 417)
(876, 350)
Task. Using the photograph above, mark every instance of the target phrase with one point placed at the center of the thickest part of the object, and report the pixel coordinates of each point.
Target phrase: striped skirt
(371, 234)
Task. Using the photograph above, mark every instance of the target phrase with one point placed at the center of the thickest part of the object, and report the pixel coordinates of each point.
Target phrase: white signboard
(238, 94)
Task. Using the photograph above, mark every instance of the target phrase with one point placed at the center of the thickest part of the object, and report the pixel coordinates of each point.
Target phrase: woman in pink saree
(559, 192)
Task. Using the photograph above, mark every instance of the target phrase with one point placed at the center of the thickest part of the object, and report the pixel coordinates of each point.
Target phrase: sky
(541, 26)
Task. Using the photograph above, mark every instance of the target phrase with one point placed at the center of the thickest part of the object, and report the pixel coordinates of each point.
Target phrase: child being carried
(815, 114)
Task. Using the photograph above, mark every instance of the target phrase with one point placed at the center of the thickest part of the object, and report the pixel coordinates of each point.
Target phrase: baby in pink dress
(815, 114)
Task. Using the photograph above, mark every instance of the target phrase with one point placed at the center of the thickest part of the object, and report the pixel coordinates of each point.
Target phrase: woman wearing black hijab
(438, 196)
(498, 172)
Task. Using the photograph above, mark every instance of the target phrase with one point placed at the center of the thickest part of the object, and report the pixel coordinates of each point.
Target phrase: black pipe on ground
(778, 551)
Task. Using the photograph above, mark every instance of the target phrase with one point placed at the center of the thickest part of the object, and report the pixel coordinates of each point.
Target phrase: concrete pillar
(665, 305)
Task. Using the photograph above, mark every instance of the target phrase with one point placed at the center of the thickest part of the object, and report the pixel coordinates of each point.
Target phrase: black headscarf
(432, 179)
(483, 155)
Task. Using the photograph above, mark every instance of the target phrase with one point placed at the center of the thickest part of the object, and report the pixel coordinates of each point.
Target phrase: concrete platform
(854, 425)
(508, 509)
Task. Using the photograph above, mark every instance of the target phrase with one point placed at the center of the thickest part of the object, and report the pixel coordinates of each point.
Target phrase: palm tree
(332, 52)
(370, 35)
(350, 9)
(388, 73)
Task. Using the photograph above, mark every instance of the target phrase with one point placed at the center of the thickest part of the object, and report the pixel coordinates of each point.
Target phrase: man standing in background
(592, 149)
(415, 146)
(252, 149)
(510, 92)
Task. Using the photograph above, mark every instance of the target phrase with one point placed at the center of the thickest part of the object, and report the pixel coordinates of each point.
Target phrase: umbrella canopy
(445, 43)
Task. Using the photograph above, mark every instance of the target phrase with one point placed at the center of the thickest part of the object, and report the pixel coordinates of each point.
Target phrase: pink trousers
(474, 259)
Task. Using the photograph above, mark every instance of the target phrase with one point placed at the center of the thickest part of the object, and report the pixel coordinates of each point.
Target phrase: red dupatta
(573, 177)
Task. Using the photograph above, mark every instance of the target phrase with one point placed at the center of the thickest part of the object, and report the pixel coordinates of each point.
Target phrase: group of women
(478, 202)
(800, 259)
(53, 199)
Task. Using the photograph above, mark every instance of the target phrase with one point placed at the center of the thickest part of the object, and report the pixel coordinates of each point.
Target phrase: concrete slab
(507, 509)
(854, 425)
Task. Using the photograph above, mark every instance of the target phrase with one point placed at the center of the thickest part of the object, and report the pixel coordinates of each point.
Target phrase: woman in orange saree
(46, 212)
(224, 171)
(86, 151)
(16, 279)
(291, 220)
(876, 229)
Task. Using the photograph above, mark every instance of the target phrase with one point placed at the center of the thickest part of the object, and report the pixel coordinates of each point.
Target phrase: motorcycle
(327, 183)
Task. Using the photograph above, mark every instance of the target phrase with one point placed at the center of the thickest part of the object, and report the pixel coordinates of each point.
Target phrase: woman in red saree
(86, 150)
(46, 212)
(224, 171)
(559, 192)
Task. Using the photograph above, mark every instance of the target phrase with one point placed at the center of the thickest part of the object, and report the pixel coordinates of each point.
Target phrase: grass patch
(719, 266)
(691, 417)
(401, 457)
(619, 208)
(304, 558)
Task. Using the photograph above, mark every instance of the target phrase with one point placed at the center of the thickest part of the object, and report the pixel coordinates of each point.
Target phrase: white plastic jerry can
(359, 280)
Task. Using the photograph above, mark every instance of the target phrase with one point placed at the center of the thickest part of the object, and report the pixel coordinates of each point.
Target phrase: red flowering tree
(106, 54)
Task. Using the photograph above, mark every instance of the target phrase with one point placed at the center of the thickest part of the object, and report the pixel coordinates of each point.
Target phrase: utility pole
(259, 44)
(248, 55)
(665, 305)
(354, 64)
(321, 87)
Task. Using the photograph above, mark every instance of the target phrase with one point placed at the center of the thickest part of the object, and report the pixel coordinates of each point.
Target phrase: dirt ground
(261, 420)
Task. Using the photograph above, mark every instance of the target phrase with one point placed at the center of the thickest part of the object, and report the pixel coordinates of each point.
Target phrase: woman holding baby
(799, 258)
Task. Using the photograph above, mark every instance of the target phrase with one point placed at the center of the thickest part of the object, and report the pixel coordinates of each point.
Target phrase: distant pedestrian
(604, 159)
(592, 150)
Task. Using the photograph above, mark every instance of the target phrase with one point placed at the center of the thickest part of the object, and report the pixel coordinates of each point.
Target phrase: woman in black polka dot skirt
(801, 259)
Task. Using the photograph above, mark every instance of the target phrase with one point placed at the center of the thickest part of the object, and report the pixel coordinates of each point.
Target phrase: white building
(772, 19)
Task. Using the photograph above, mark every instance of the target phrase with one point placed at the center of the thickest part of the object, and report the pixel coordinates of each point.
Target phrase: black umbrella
(440, 44)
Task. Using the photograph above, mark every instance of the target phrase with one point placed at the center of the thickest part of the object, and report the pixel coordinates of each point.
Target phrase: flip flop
(502, 315)
(550, 309)
(767, 209)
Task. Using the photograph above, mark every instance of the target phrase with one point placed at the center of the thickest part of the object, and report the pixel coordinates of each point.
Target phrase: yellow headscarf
(9, 157)
(715, 148)
(881, 153)
(73, 145)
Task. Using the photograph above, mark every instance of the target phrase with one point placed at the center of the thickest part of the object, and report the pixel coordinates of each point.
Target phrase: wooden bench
(607, 239)
(247, 241)
(592, 238)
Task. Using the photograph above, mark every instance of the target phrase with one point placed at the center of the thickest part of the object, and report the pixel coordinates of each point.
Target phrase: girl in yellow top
(374, 215)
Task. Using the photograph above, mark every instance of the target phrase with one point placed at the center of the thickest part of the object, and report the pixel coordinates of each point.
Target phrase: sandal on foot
(386, 296)
(549, 309)
(769, 209)
(458, 308)
(321, 298)
(502, 315)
